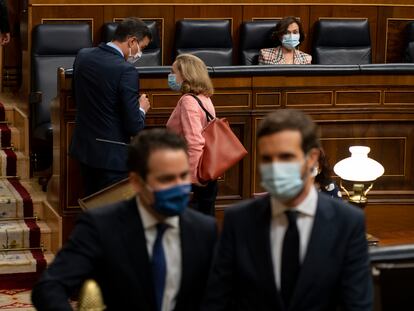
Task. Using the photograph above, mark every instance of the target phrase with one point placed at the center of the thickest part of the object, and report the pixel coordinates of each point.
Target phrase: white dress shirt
(279, 223)
(171, 243)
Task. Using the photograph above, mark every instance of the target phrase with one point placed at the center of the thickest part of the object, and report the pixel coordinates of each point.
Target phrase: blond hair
(195, 75)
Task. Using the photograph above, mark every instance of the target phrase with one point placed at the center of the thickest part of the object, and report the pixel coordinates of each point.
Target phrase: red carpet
(18, 269)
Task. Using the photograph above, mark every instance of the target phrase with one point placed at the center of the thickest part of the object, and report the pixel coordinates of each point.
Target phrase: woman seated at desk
(287, 36)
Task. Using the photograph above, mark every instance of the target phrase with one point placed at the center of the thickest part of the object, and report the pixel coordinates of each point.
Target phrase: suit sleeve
(356, 283)
(133, 117)
(219, 293)
(72, 265)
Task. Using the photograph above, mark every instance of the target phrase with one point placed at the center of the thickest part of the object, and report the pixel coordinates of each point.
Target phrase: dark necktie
(159, 266)
(290, 258)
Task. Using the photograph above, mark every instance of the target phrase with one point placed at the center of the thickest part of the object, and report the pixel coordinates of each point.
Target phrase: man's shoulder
(111, 212)
(196, 218)
(341, 208)
(245, 210)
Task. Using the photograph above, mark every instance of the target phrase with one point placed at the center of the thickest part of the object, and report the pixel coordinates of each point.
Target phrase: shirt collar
(306, 207)
(113, 45)
(149, 221)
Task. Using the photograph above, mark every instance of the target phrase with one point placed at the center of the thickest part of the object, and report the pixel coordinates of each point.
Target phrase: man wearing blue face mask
(105, 87)
(294, 249)
(147, 253)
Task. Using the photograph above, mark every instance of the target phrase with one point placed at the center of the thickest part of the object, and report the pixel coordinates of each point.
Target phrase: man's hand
(144, 102)
(4, 38)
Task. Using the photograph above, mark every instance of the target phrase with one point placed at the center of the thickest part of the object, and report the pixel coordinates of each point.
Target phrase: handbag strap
(208, 114)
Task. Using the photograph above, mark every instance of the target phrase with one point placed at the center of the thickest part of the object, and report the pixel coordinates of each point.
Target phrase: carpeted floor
(18, 299)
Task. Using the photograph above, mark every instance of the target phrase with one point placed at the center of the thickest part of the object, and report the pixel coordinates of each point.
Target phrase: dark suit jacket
(109, 245)
(335, 270)
(106, 95)
(4, 17)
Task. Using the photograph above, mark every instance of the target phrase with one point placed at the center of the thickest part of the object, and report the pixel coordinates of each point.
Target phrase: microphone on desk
(111, 142)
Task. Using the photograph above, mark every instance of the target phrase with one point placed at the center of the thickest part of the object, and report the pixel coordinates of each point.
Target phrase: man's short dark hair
(131, 27)
(148, 141)
(290, 119)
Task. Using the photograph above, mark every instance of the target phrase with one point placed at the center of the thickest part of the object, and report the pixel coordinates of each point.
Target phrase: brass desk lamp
(361, 171)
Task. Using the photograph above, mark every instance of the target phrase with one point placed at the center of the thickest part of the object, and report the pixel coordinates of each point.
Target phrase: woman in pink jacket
(189, 75)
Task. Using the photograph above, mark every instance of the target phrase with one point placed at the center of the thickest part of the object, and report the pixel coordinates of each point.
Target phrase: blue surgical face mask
(291, 41)
(172, 201)
(172, 82)
(283, 180)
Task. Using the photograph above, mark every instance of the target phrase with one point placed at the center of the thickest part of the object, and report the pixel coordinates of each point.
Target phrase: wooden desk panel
(345, 119)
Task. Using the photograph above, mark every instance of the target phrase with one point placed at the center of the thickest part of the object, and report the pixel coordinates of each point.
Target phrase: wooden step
(45, 213)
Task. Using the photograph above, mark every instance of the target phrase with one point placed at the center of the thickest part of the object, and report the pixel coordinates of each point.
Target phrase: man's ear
(313, 157)
(136, 182)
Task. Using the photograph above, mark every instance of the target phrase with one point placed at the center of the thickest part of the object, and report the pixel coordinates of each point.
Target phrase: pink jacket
(189, 120)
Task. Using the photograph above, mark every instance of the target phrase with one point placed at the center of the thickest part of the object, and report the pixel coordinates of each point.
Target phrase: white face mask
(283, 180)
(133, 58)
(291, 41)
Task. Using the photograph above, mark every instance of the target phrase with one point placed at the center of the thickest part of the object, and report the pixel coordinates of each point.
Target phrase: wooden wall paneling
(391, 141)
(74, 189)
(402, 97)
(277, 11)
(221, 11)
(163, 15)
(392, 25)
(232, 184)
(70, 14)
(351, 12)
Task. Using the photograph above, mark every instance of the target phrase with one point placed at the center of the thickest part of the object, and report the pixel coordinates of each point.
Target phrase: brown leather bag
(222, 149)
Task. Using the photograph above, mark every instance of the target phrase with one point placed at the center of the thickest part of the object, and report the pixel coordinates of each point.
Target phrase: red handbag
(222, 149)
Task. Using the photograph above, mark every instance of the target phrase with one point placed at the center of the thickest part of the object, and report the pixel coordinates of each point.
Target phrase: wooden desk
(355, 107)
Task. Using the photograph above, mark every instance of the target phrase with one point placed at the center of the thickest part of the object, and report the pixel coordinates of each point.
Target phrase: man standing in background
(294, 249)
(109, 109)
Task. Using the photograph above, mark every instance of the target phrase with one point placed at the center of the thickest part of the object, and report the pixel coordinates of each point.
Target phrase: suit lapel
(135, 242)
(261, 251)
(320, 242)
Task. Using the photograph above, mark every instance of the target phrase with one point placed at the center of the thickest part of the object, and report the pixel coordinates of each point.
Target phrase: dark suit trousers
(95, 179)
(204, 198)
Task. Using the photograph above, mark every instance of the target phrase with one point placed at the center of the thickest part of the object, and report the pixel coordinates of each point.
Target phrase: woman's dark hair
(325, 172)
(281, 29)
(131, 27)
(148, 141)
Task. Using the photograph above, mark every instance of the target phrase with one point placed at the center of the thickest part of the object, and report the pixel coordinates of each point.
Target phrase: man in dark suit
(4, 23)
(149, 253)
(296, 249)
(109, 112)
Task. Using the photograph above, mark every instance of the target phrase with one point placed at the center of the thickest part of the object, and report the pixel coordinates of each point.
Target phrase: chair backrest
(342, 41)
(53, 46)
(254, 36)
(151, 55)
(209, 40)
(409, 50)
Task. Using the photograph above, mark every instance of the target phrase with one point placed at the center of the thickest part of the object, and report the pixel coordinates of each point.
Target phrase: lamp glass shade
(359, 167)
